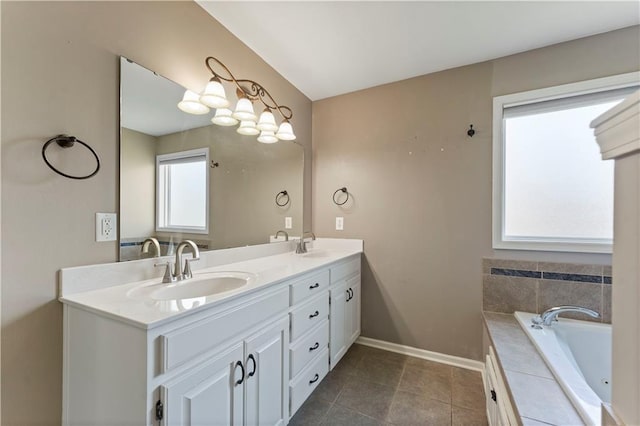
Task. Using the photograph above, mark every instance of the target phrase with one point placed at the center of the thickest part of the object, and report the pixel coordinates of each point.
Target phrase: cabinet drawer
(309, 314)
(309, 286)
(308, 380)
(345, 270)
(308, 346)
(180, 345)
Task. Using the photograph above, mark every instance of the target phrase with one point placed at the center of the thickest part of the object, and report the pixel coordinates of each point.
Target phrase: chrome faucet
(286, 236)
(147, 243)
(177, 273)
(301, 248)
(185, 274)
(550, 315)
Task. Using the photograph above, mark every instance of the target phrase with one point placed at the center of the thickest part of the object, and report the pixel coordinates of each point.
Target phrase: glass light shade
(214, 95)
(267, 137)
(267, 122)
(191, 104)
(285, 132)
(223, 118)
(248, 128)
(244, 110)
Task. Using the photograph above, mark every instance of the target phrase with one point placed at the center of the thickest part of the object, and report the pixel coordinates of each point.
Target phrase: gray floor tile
(342, 416)
(425, 364)
(332, 385)
(367, 398)
(432, 383)
(466, 417)
(467, 390)
(410, 409)
(312, 412)
(400, 390)
(380, 370)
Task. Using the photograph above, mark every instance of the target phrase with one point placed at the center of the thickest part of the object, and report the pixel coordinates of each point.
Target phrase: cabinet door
(353, 310)
(208, 395)
(267, 365)
(338, 344)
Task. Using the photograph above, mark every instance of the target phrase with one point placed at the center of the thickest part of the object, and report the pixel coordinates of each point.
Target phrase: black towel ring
(280, 195)
(66, 141)
(344, 190)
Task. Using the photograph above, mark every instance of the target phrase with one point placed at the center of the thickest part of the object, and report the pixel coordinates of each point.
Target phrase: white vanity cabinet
(224, 366)
(250, 360)
(345, 308)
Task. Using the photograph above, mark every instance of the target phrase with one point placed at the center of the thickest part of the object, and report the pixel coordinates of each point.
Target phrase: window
(552, 191)
(182, 191)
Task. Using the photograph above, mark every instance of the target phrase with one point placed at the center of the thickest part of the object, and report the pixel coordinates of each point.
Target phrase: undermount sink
(201, 285)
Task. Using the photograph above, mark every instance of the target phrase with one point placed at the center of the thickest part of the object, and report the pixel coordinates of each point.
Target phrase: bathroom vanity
(144, 352)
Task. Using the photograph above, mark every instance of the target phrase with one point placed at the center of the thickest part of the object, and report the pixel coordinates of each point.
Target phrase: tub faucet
(301, 248)
(286, 236)
(147, 243)
(180, 273)
(550, 315)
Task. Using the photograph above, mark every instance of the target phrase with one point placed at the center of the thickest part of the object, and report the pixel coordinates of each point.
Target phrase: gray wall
(421, 188)
(60, 67)
(137, 196)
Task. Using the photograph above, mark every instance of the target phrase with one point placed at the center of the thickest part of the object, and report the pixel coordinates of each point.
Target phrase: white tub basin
(578, 354)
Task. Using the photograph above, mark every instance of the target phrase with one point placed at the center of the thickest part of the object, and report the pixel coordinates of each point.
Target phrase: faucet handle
(168, 272)
(186, 273)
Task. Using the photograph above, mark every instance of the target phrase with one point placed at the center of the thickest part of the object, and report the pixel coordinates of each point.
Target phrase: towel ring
(66, 141)
(344, 190)
(280, 195)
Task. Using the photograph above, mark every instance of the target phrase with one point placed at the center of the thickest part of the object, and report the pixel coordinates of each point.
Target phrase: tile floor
(374, 387)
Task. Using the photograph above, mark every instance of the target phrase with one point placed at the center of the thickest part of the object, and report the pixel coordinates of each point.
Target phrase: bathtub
(578, 354)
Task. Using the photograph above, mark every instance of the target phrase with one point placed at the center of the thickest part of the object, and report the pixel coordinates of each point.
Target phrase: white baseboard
(455, 361)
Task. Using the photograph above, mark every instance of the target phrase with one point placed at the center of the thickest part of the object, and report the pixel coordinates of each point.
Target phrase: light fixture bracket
(250, 89)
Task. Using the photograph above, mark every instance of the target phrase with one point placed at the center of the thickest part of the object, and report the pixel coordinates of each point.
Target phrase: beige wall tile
(509, 294)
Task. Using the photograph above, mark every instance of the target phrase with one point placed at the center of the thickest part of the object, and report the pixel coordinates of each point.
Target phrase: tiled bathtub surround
(517, 285)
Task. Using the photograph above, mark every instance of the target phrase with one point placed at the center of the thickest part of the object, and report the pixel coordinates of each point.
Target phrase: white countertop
(115, 302)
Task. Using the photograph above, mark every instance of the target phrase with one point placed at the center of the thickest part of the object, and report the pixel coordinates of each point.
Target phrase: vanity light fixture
(247, 92)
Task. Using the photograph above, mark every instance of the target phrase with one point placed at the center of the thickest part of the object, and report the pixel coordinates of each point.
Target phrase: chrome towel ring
(66, 141)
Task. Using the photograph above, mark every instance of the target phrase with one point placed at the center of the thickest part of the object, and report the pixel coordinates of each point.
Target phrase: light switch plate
(288, 222)
(106, 226)
(339, 223)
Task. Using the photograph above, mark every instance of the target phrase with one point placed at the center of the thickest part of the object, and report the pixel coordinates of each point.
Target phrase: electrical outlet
(106, 226)
(339, 223)
(288, 223)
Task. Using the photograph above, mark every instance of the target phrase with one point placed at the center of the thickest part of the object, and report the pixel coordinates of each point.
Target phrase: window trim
(175, 156)
(534, 96)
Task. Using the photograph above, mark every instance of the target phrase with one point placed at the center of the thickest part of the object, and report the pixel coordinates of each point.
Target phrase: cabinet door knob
(255, 365)
(315, 379)
(316, 285)
(493, 395)
(239, 364)
(315, 314)
(314, 347)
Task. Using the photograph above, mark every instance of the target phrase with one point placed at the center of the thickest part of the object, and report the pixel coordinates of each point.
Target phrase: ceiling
(330, 48)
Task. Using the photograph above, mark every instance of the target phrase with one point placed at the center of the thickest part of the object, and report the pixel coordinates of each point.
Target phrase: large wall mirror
(182, 177)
